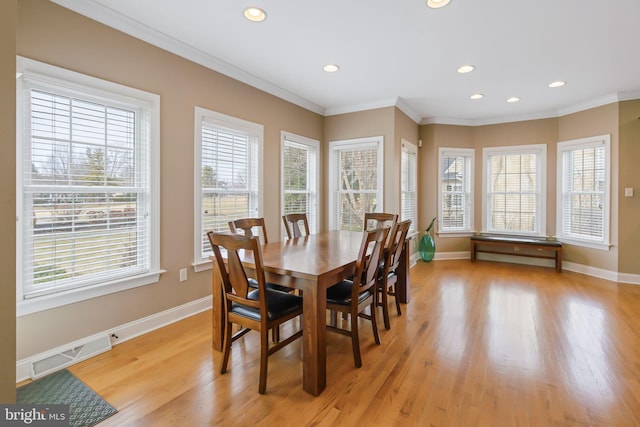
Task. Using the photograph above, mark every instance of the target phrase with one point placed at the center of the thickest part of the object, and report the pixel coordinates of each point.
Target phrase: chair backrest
(396, 241)
(366, 273)
(235, 282)
(247, 224)
(373, 220)
(292, 225)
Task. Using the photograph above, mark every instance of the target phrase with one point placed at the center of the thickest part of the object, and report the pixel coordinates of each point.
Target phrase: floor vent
(64, 357)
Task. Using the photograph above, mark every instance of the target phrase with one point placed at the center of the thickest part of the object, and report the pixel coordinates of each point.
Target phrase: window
(300, 177)
(455, 195)
(514, 189)
(228, 166)
(583, 191)
(355, 168)
(88, 187)
(409, 184)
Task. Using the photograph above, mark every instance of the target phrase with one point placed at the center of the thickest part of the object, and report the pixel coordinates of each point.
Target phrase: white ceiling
(400, 52)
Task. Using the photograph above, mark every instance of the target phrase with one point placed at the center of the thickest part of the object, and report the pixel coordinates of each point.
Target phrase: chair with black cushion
(388, 276)
(352, 297)
(292, 224)
(247, 225)
(258, 309)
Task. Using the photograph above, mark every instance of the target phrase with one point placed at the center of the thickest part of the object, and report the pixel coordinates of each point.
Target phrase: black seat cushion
(278, 304)
(254, 284)
(341, 293)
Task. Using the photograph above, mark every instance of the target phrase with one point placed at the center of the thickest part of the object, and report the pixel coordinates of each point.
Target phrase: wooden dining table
(311, 264)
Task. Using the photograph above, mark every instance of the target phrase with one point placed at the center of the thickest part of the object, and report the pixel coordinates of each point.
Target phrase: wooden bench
(517, 246)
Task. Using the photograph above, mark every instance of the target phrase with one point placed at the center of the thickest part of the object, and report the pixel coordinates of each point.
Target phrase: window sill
(450, 234)
(47, 302)
(199, 266)
(585, 244)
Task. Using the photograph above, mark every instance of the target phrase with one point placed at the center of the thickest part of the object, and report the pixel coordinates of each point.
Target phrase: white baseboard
(125, 332)
(613, 276)
(442, 256)
(158, 320)
(632, 279)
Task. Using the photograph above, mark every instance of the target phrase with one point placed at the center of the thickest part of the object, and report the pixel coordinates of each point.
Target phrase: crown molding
(404, 107)
(587, 105)
(106, 16)
(344, 109)
(96, 11)
(383, 103)
(576, 108)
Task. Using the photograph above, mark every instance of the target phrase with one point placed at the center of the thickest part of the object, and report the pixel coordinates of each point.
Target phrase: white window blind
(228, 152)
(300, 177)
(583, 190)
(356, 182)
(86, 205)
(409, 184)
(455, 190)
(515, 189)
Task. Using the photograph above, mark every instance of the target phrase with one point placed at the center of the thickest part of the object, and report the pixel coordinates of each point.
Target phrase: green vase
(427, 247)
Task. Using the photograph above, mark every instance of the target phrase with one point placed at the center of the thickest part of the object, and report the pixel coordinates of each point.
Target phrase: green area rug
(86, 408)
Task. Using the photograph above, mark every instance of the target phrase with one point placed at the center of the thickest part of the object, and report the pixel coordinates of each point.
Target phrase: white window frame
(334, 183)
(567, 147)
(469, 155)
(201, 261)
(313, 176)
(409, 184)
(35, 74)
(540, 150)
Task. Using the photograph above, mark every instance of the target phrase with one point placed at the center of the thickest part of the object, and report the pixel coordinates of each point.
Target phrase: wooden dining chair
(388, 276)
(352, 297)
(247, 225)
(292, 225)
(254, 308)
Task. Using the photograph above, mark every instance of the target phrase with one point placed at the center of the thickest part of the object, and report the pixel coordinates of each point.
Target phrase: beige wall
(433, 137)
(407, 129)
(8, 10)
(52, 34)
(592, 122)
(629, 177)
(390, 123)
(361, 124)
(519, 133)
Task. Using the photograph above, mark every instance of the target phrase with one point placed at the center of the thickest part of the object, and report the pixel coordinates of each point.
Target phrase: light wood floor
(484, 344)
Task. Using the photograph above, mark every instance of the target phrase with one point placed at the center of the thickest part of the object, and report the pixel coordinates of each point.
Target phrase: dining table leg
(314, 339)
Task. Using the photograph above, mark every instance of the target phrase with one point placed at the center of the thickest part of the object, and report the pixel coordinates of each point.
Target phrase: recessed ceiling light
(435, 4)
(477, 96)
(331, 68)
(557, 83)
(513, 99)
(466, 69)
(255, 14)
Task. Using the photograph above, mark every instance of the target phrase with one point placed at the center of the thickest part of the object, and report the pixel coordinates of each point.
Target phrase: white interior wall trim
(123, 332)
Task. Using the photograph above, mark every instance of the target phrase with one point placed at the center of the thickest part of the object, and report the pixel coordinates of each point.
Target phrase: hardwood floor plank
(482, 344)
